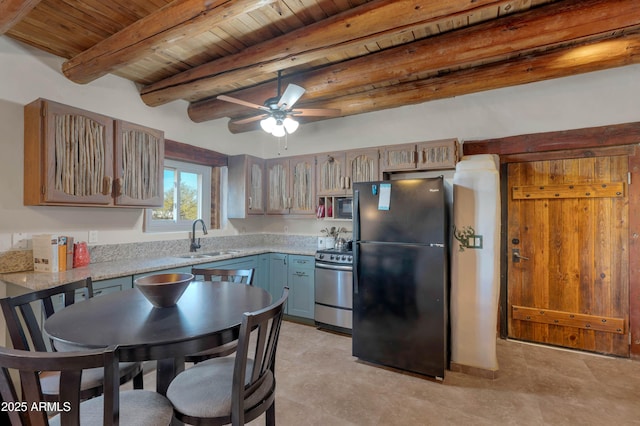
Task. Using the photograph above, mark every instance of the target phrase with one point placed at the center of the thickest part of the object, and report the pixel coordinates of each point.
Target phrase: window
(187, 196)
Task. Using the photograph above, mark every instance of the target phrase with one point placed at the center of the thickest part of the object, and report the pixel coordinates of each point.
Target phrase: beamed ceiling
(354, 55)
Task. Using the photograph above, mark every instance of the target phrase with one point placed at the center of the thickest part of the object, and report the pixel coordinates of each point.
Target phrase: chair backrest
(21, 319)
(29, 409)
(263, 327)
(234, 275)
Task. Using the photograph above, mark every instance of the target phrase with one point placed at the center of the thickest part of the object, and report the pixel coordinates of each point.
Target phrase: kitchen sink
(208, 254)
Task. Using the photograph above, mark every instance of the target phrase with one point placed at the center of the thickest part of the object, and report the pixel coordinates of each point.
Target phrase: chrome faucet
(196, 245)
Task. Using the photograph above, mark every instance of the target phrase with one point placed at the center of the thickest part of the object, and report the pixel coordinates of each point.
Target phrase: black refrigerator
(400, 279)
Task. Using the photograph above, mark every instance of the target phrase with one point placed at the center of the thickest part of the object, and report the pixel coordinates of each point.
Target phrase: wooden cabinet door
(255, 185)
(568, 268)
(76, 152)
(437, 154)
(139, 165)
(246, 186)
(278, 197)
(302, 189)
(277, 274)
(399, 157)
(331, 173)
(362, 166)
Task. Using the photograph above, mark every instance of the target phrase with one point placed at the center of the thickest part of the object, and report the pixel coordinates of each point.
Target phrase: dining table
(207, 315)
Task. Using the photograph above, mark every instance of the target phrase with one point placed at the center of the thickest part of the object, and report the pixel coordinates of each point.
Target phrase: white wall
(600, 98)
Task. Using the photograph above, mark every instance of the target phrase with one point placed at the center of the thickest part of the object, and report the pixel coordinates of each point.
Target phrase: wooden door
(567, 242)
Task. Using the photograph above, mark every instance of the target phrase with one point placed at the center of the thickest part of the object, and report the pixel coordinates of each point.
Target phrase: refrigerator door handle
(356, 238)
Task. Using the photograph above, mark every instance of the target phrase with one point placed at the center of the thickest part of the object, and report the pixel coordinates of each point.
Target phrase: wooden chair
(244, 276)
(25, 333)
(234, 390)
(139, 407)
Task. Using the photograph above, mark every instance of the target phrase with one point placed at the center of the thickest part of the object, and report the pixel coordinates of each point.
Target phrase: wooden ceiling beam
(365, 24)
(558, 24)
(13, 11)
(561, 62)
(178, 20)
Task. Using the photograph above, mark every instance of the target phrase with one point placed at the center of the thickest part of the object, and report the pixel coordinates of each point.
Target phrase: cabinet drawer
(301, 262)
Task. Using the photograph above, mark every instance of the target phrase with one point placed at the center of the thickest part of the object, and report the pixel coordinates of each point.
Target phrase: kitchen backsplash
(22, 260)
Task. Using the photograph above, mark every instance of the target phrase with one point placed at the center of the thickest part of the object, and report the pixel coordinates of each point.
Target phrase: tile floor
(320, 383)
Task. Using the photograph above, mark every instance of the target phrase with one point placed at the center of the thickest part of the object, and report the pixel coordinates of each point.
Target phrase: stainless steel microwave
(343, 208)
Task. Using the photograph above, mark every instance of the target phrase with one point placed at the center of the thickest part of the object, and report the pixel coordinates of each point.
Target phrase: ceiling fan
(278, 115)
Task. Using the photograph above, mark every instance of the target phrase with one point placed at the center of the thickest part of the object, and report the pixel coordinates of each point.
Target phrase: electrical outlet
(20, 240)
(93, 237)
(286, 229)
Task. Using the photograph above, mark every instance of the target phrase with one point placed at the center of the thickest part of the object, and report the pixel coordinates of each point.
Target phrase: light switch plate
(20, 240)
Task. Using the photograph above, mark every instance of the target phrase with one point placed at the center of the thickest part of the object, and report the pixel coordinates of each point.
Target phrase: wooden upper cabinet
(337, 171)
(431, 155)
(139, 165)
(246, 186)
(362, 166)
(443, 154)
(278, 198)
(290, 185)
(73, 157)
(68, 155)
(399, 157)
(331, 173)
(302, 169)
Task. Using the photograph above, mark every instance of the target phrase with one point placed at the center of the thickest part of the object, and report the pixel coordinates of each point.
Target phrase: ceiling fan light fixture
(290, 125)
(268, 124)
(278, 130)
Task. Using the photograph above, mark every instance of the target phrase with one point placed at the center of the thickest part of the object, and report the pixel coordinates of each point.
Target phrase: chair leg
(270, 415)
(138, 381)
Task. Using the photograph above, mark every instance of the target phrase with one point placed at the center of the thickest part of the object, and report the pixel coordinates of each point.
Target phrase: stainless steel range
(334, 290)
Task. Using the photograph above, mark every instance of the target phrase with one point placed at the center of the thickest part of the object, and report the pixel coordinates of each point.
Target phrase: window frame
(204, 199)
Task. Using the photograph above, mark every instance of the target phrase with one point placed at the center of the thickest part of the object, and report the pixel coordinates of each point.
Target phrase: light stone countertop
(120, 268)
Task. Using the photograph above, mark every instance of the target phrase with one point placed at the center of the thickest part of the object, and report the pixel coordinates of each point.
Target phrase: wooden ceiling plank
(350, 28)
(588, 57)
(179, 19)
(13, 11)
(565, 22)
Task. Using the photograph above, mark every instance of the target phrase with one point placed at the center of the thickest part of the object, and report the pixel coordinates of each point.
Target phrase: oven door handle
(334, 267)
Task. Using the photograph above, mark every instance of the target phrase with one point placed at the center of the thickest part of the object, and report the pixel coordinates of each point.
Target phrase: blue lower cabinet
(301, 286)
(277, 275)
(295, 272)
(261, 275)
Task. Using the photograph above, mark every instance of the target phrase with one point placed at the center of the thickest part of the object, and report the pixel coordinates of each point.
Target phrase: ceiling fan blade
(292, 93)
(241, 102)
(248, 119)
(316, 112)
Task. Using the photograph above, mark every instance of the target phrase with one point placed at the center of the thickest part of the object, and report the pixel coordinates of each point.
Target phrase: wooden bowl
(163, 290)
